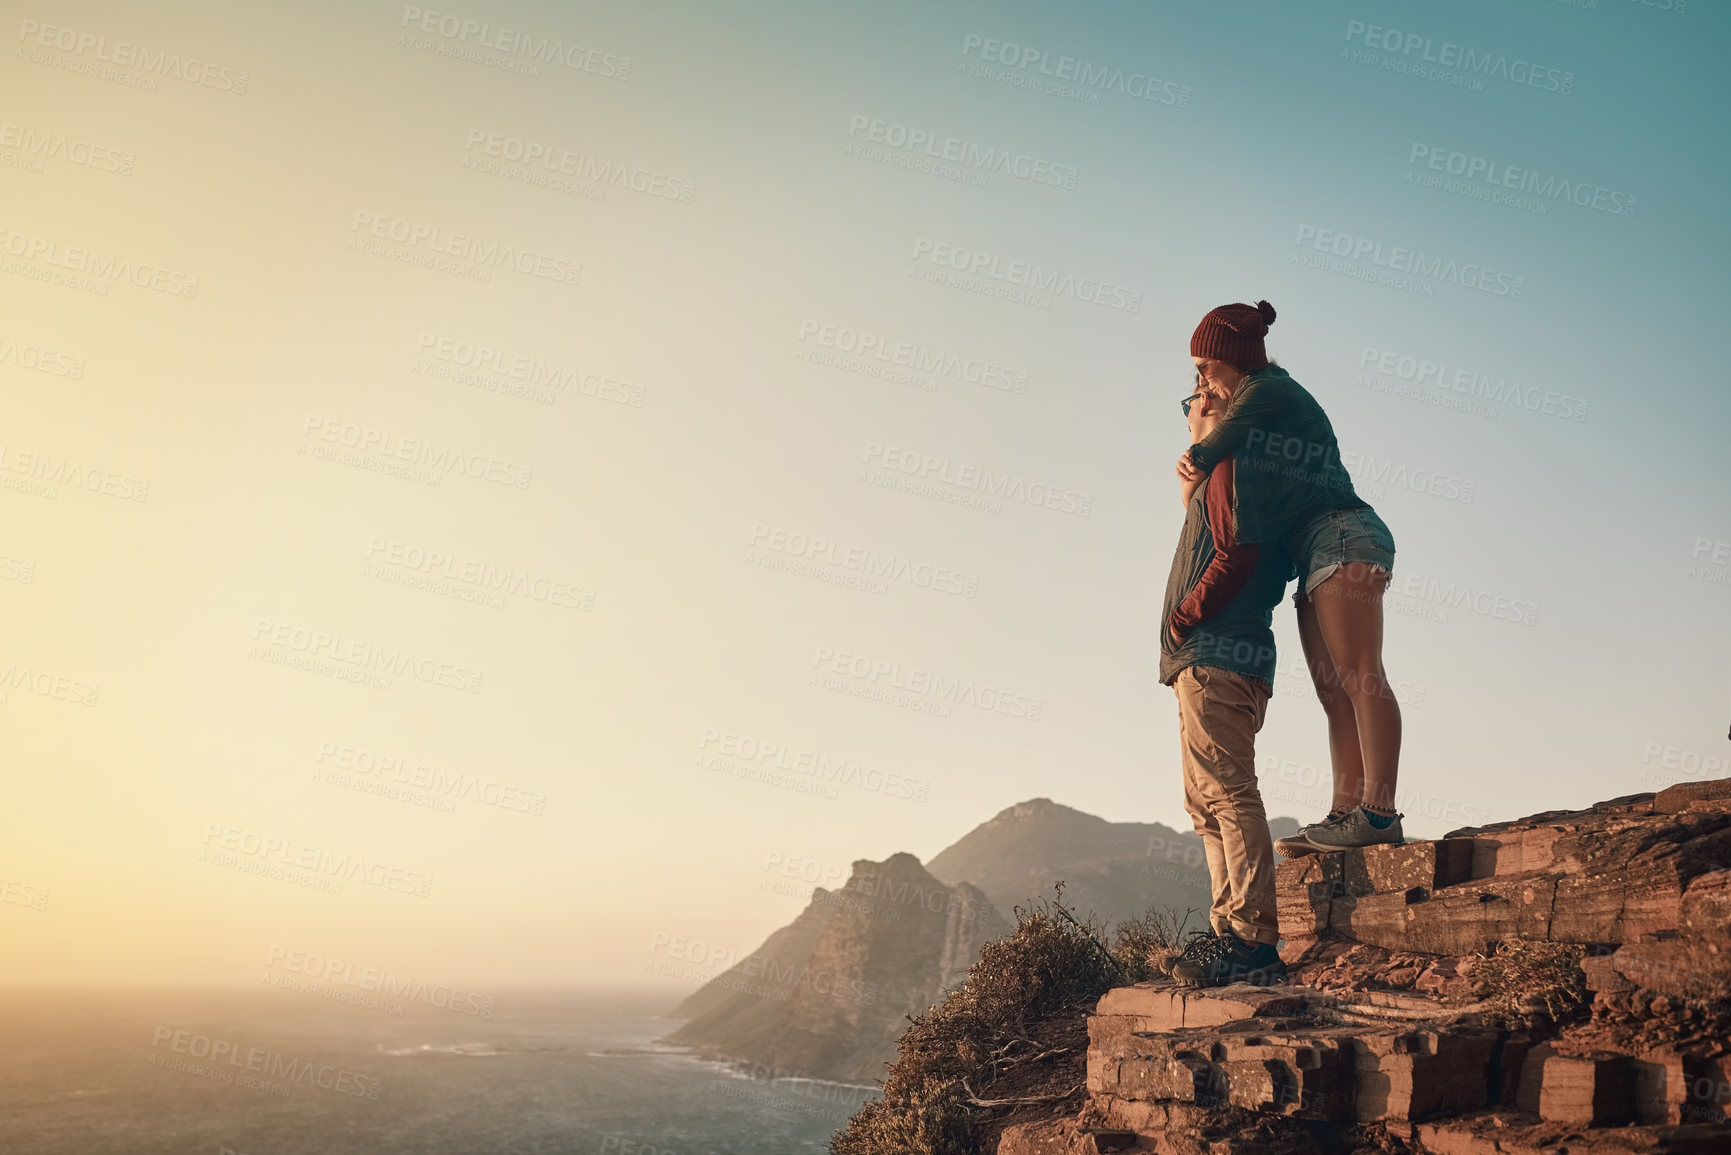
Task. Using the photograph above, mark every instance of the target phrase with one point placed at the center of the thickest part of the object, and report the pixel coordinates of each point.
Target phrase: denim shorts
(1330, 540)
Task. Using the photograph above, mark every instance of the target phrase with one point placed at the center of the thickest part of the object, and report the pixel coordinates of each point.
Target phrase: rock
(1064, 1137)
(1595, 908)
(1460, 919)
(1259, 1084)
(1436, 977)
(1252, 1065)
(1686, 967)
(1378, 869)
(1506, 1067)
(1502, 1134)
(1685, 795)
(1512, 851)
(1164, 1006)
(1139, 1116)
(1662, 1085)
(1602, 975)
(1705, 908)
(1414, 1074)
(1634, 873)
(1427, 865)
(1301, 903)
(1596, 1091)
(1180, 1078)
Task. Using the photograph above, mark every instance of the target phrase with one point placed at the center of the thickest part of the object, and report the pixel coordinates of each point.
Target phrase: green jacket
(1288, 462)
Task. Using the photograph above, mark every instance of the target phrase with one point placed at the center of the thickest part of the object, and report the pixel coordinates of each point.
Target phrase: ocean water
(550, 1073)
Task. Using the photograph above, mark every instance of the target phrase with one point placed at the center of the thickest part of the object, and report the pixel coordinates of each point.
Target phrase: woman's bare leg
(1344, 749)
(1348, 616)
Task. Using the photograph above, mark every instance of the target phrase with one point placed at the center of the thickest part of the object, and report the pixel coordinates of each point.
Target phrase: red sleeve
(1232, 564)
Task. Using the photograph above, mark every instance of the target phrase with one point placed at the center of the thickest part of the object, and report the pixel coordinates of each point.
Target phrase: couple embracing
(1266, 498)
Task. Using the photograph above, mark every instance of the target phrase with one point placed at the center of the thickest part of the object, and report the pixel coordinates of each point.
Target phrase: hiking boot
(1353, 831)
(1294, 845)
(1164, 960)
(1229, 959)
(1199, 944)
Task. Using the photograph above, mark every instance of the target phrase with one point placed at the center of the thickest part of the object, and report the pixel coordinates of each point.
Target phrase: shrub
(951, 1055)
(1526, 980)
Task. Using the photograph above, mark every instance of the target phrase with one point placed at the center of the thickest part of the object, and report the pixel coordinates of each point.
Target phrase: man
(1217, 653)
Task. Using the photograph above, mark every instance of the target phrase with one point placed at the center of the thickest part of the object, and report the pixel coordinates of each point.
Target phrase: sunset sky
(577, 477)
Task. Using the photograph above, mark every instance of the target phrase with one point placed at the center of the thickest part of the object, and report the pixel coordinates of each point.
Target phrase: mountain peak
(1114, 869)
(901, 862)
(1036, 808)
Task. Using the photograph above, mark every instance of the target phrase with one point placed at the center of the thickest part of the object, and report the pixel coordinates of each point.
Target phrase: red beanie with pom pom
(1233, 333)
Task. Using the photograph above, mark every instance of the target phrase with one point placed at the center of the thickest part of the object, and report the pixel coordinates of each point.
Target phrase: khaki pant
(1219, 713)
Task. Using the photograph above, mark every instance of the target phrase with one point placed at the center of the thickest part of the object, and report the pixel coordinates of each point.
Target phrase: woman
(1293, 489)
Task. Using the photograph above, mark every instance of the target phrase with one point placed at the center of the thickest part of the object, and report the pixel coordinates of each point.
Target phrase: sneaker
(1294, 845)
(1353, 831)
(1229, 959)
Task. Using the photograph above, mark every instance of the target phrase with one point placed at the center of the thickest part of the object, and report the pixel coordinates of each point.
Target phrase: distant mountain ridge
(827, 995)
(1114, 869)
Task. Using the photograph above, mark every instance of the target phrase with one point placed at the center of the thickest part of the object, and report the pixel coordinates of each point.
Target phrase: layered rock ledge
(1402, 1028)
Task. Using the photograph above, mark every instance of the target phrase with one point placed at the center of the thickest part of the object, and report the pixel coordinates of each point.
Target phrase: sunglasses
(1187, 402)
